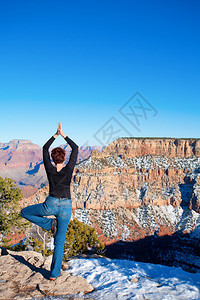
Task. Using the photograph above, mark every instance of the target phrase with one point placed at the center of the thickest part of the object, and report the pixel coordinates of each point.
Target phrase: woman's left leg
(35, 214)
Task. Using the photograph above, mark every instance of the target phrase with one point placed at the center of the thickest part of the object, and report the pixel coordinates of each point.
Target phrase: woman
(58, 202)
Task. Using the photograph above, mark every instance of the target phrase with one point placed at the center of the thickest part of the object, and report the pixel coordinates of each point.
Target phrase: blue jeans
(61, 208)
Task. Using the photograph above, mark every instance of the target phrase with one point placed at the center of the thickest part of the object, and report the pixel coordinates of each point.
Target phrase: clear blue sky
(79, 62)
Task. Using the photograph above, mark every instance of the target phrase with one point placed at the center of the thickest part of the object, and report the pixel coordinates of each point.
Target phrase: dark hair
(58, 155)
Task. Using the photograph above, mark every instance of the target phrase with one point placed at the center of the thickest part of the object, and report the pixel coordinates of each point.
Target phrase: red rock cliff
(136, 187)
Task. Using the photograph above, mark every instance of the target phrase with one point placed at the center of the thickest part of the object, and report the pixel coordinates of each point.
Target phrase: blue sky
(79, 62)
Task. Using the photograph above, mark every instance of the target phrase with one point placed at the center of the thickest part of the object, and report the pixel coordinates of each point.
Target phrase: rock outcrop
(168, 147)
(24, 275)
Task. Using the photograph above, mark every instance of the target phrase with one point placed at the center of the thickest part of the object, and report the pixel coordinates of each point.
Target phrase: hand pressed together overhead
(60, 131)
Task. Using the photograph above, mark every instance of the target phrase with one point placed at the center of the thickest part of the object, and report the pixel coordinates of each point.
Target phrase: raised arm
(46, 156)
(73, 156)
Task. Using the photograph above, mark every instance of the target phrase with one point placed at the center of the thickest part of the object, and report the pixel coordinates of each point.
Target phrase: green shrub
(79, 238)
(38, 246)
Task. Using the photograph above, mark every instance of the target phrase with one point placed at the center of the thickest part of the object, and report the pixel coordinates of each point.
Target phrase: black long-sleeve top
(59, 181)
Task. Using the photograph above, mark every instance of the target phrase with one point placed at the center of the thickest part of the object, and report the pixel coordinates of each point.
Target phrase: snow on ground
(111, 279)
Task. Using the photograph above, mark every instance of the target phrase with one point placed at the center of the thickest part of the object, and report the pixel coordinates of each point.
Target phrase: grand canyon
(140, 194)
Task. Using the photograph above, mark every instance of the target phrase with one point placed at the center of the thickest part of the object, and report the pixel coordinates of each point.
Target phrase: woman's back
(59, 181)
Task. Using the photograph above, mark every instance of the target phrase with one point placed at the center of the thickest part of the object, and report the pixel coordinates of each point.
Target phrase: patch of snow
(111, 279)
(196, 232)
(145, 218)
(108, 223)
(83, 216)
(50, 244)
(116, 161)
(125, 232)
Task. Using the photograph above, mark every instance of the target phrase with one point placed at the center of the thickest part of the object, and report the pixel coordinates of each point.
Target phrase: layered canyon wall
(136, 188)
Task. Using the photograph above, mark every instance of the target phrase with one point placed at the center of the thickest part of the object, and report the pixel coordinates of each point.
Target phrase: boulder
(25, 274)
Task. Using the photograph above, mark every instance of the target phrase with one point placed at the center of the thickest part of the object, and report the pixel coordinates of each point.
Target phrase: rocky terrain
(24, 275)
(22, 161)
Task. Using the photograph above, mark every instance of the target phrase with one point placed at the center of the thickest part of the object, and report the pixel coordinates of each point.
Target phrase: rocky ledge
(24, 275)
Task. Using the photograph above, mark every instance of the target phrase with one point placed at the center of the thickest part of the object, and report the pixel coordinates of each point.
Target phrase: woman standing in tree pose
(58, 202)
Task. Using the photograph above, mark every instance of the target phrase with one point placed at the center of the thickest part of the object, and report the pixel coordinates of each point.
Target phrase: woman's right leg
(35, 214)
(63, 219)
